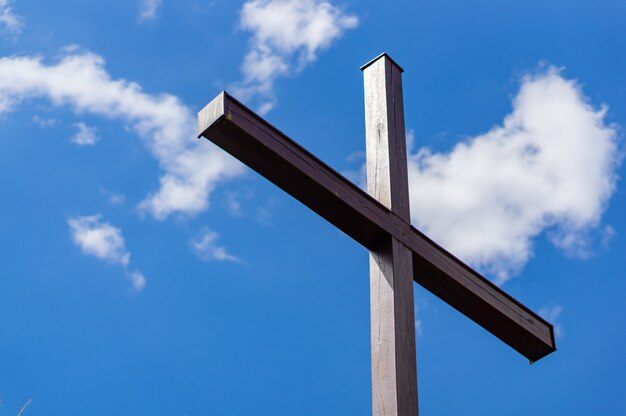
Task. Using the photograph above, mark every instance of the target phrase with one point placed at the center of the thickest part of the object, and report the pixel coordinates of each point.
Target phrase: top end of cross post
(381, 56)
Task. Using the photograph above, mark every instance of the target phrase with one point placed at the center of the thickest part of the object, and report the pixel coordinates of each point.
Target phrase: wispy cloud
(79, 80)
(10, 23)
(45, 122)
(232, 202)
(265, 212)
(207, 249)
(287, 35)
(148, 9)
(85, 136)
(550, 166)
(419, 304)
(102, 240)
(138, 280)
(358, 173)
(113, 198)
(419, 331)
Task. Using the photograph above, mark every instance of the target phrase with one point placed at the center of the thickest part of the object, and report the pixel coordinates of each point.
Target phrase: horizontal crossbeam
(245, 135)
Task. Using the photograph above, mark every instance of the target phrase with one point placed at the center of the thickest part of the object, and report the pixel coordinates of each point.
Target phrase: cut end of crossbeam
(211, 113)
(381, 56)
(551, 346)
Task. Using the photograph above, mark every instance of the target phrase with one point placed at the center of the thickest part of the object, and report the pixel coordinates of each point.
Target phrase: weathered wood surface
(394, 369)
(255, 142)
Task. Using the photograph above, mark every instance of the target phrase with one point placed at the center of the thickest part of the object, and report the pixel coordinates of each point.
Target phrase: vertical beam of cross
(394, 373)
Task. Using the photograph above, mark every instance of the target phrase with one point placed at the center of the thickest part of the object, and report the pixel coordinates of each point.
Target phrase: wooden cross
(380, 221)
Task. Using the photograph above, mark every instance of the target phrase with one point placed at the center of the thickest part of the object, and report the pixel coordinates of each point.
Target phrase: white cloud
(286, 36)
(45, 122)
(104, 241)
(419, 304)
(358, 174)
(79, 80)
(550, 166)
(419, 330)
(607, 235)
(265, 212)
(233, 204)
(206, 249)
(138, 280)
(113, 198)
(85, 136)
(552, 314)
(117, 199)
(99, 239)
(9, 21)
(148, 9)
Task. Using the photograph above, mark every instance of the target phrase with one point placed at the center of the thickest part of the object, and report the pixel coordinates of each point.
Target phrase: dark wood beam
(245, 135)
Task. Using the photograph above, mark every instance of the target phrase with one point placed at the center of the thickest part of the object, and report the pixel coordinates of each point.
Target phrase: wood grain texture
(387, 179)
(265, 149)
(394, 371)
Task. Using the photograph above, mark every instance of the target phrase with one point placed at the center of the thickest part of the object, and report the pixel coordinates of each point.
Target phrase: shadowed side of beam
(287, 175)
(265, 149)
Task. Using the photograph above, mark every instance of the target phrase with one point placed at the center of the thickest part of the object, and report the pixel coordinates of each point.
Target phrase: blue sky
(144, 271)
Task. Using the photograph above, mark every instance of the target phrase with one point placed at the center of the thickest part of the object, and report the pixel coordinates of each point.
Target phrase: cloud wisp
(192, 168)
(85, 136)
(100, 239)
(45, 122)
(148, 9)
(10, 23)
(550, 166)
(287, 35)
(112, 197)
(206, 248)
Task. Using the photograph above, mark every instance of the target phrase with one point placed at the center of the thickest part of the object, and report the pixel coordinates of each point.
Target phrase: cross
(380, 221)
